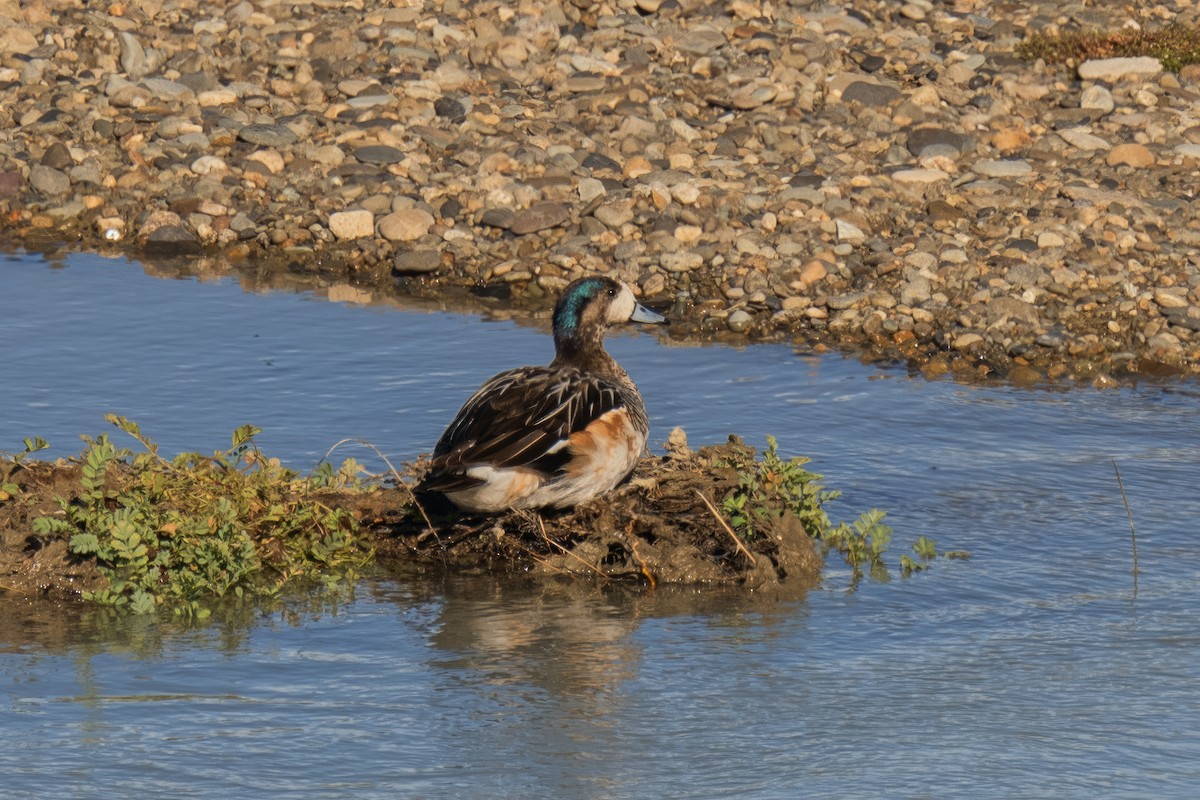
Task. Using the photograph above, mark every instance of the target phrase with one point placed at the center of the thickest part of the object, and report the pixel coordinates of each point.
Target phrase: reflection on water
(1032, 670)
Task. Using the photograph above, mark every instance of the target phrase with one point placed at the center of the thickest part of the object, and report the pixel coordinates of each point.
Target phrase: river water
(1043, 666)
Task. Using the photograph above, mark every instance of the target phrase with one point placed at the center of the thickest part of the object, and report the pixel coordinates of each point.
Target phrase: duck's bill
(643, 314)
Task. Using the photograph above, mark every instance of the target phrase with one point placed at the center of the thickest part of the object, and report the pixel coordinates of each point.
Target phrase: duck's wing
(520, 419)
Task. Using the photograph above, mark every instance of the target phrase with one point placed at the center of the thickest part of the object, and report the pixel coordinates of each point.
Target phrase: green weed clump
(771, 486)
(177, 534)
(12, 464)
(1175, 45)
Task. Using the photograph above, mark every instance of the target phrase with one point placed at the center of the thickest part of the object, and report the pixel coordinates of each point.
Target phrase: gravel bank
(870, 174)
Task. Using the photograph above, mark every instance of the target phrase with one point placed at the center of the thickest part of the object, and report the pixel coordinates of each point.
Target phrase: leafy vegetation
(9, 487)
(180, 533)
(772, 486)
(1175, 45)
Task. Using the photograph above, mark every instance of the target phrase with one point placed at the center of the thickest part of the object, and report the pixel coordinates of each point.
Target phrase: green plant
(1175, 45)
(771, 486)
(926, 550)
(182, 532)
(9, 487)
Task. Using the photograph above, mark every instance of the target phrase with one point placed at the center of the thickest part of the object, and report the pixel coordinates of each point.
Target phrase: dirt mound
(664, 526)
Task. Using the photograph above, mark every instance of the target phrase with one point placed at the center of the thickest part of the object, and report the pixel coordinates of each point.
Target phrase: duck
(555, 436)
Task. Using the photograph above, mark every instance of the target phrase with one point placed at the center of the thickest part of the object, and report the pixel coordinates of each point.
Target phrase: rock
(919, 176)
(16, 39)
(739, 321)
(171, 240)
(57, 156)
(417, 261)
(1168, 299)
(700, 41)
(540, 217)
(267, 135)
(966, 341)
(685, 261)
(405, 225)
(1083, 139)
(11, 184)
(354, 224)
(497, 218)
(48, 180)
(870, 94)
(379, 154)
(615, 214)
(209, 165)
(1097, 98)
(922, 138)
(849, 232)
(1112, 70)
(1002, 168)
(1131, 154)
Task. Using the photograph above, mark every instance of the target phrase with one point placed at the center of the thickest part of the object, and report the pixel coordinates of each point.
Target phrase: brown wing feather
(520, 419)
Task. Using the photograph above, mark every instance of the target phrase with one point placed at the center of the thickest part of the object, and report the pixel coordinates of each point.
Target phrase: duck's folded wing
(521, 419)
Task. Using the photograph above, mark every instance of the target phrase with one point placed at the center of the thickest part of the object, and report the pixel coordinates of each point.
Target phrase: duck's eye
(612, 292)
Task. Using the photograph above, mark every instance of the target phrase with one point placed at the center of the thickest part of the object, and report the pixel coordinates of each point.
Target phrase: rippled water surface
(1035, 669)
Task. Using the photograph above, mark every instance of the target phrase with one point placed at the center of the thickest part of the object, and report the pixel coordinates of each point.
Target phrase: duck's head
(589, 305)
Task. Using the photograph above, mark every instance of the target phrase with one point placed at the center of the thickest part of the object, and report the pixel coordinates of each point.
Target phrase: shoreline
(886, 179)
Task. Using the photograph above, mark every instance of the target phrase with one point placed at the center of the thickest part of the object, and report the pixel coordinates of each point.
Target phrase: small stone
(681, 262)
(849, 232)
(1083, 139)
(209, 165)
(11, 183)
(922, 138)
(870, 94)
(501, 218)
(590, 189)
(700, 41)
(57, 156)
(267, 135)
(1049, 239)
(1002, 168)
(1097, 98)
(210, 98)
(540, 217)
(1132, 154)
(966, 340)
(405, 225)
(417, 261)
(1167, 299)
(48, 180)
(812, 272)
(449, 107)
(355, 224)
(171, 240)
(615, 214)
(739, 321)
(379, 154)
(919, 176)
(1111, 70)
(686, 193)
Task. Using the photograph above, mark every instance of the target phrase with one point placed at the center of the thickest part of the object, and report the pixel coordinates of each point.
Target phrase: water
(1035, 669)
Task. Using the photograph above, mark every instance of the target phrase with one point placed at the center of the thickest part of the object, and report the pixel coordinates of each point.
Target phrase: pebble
(1131, 154)
(405, 225)
(1083, 139)
(354, 224)
(48, 180)
(1002, 168)
(540, 217)
(1112, 70)
(267, 135)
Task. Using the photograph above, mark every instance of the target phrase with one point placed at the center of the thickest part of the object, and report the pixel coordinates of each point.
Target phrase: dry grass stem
(717, 515)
